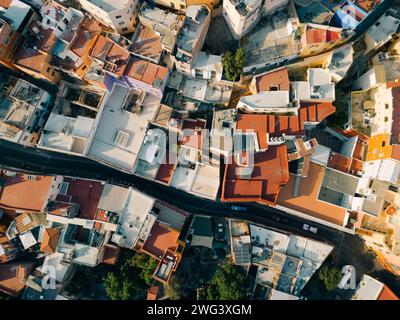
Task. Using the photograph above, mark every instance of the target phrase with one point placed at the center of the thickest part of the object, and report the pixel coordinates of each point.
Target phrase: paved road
(348, 249)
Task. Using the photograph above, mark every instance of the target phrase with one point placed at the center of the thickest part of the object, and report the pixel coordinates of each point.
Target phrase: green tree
(132, 278)
(176, 288)
(113, 285)
(233, 63)
(227, 62)
(330, 277)
(146, 265)
(240, 61)
(228, 283)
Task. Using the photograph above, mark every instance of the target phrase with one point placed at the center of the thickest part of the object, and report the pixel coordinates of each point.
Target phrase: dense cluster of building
(130, 82)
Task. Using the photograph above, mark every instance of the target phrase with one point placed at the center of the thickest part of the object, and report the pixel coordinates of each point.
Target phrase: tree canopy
(331, 277)
(233, 64)
(133, 277)
(228, 283)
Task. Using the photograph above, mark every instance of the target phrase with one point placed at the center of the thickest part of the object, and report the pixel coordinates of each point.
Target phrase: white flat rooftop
(384, 29)
(109, 5)
(66, 133)
(267, 99)
(86, 255)
(113, 198)
(137, 208)
(206, 181)
(278, 241)
(27, 240)
(17, 12)
(183, 178)
(55, 261)
(119, 134)
(368, 289)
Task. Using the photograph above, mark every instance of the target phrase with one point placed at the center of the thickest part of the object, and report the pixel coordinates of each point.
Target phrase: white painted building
(241, 15)
(120, 127)
(119, 15)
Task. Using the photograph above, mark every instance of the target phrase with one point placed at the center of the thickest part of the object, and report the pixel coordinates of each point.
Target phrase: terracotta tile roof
(307, 202)
(193, 139)
(321, 35)
(395, 138)
(111, 253)
(50, 240)
(166, 170)
(34, 188)
(387, 294)
(60, 208)
(5, 3)
(101, 216)
(367, 5)
(106, 49)
(315, 111)
(145, 71)
(147, 43)
(160, 240)
(278, 78)
(339, 162)
(264, 184)
(396, 152)
(356, 165)
(87, 194)
(30, 59)
(152, 293)
(258, 123)
(271, 124)
(85, 38)
(13, 275)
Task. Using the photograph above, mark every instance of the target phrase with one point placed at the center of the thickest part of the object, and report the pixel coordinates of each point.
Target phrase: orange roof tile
(387, 294)
(13, 276)
(396, 151)
(315, 35)
(5, 3)
(264, 184)
(193, 138)
(111, 253)
(307, 201)
(321, 35)
(145, 71)
(278, 78)
(35, 192)
(339, 162)
(160, 240)
(50, 240)
(166, 170)
(85, 38)
(30, 59)
(152, 293)
(367, 5)
(106, 49)
(147, 43)
(87, 194)
(315, 111)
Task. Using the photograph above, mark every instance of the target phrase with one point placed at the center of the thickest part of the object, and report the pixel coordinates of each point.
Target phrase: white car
(306, 227)
(314, 229)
